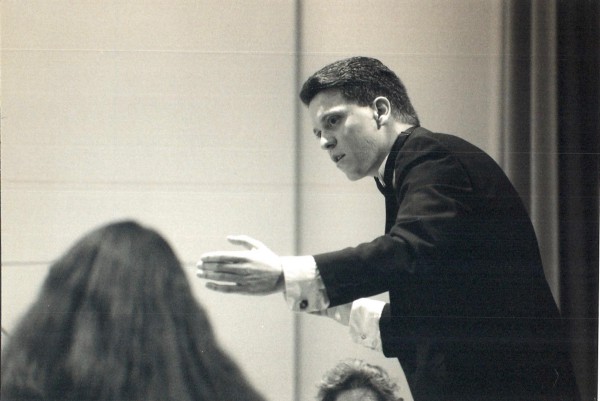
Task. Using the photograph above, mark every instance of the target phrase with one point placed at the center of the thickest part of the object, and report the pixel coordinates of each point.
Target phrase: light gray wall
(169, 112)
(181, 114)
(446, 54)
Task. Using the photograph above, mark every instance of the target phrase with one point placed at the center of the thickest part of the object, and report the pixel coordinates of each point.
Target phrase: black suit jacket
(470, 313)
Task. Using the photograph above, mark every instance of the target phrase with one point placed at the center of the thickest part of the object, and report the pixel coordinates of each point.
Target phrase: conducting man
(471, 316)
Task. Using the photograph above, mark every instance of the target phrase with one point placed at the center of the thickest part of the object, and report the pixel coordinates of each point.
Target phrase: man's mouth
(337, 158)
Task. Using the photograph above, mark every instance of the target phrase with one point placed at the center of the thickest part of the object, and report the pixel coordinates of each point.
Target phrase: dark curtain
(549, 145)
(579, 132)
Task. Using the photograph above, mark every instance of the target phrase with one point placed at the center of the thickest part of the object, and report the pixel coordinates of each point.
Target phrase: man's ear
(382, 110)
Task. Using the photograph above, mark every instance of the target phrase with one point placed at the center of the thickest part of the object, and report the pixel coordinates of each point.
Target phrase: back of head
(116, 320)
(356, 374)
(361, 80)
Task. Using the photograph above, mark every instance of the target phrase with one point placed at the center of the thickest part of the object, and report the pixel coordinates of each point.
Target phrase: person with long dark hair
(116, 320)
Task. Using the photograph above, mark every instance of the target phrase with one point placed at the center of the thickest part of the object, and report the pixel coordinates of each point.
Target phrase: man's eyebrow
(329, 112)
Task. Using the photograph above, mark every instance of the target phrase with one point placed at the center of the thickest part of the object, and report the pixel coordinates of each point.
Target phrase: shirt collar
(381, 171)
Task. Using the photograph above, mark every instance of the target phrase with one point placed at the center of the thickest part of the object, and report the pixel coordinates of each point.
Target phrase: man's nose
(327, 142)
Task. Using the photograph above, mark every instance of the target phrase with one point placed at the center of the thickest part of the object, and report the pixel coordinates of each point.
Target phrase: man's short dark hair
(362, 79)
(354, 373)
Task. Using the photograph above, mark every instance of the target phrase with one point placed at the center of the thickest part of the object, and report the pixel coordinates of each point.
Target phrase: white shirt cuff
(364, 322)
(304, 287)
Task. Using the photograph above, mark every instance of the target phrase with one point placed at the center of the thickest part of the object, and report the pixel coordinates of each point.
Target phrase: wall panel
(174, 113)
(445, 52)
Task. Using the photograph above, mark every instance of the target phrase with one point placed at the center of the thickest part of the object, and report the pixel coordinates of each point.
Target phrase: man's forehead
(326, 102)
(328, 97)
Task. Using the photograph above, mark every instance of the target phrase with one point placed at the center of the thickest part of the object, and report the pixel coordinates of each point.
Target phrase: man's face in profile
(349, 133)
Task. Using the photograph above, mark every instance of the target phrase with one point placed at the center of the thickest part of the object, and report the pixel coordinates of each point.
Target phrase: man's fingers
(226, 288)
(233, 289)
(239, 269)
(227, 277)
(246, 241)
(224, 257)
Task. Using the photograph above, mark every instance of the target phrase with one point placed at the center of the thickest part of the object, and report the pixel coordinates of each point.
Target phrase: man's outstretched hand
(255, 271)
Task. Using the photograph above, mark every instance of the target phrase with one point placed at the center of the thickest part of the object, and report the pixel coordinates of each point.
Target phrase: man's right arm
(260, 271)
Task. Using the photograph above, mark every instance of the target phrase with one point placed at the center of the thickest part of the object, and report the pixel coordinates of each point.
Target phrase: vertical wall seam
(544, 132)
(297, 214)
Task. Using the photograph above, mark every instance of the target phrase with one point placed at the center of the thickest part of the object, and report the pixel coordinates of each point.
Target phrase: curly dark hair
(361, 80)
(116, 320)
(357, 374)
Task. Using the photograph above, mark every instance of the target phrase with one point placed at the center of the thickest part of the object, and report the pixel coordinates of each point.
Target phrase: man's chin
(354, 176)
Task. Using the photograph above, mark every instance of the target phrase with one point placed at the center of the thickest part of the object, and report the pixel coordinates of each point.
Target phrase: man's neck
(401, 127)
